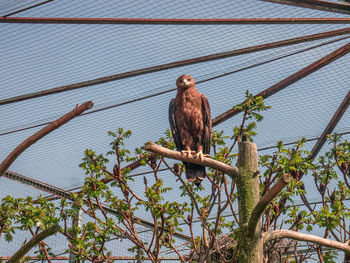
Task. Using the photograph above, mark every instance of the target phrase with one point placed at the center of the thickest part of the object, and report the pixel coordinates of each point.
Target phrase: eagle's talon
(201, 156)
(191, 180)
(187, 153)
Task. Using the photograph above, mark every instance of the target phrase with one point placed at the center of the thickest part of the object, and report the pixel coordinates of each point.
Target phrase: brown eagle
(190, 123)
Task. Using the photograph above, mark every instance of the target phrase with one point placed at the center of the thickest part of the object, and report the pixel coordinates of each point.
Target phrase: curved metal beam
(316, 4)
(290, 80)
(177, 64)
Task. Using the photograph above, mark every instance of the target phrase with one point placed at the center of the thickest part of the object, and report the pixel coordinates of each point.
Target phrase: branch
(276, 234)
(38, 135)
(33, 242)
(227, 169)
(265, 200)
(129, 167)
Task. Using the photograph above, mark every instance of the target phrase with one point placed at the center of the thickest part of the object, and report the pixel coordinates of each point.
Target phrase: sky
(36, 57)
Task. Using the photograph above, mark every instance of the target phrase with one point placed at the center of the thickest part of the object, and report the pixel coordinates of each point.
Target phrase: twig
(42, 244)
(229, 198)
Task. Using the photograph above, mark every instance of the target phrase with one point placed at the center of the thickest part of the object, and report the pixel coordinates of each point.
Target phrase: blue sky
(36, 57)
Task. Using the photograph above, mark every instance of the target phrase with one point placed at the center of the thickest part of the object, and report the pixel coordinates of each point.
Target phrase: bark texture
(227, 169)
(250, 246)
(33, 242)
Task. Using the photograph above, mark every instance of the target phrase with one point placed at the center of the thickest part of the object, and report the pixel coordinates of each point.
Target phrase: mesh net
(38, 57)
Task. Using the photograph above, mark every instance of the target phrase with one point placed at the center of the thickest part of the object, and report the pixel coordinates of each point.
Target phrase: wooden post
(250, 246)
(76, 222)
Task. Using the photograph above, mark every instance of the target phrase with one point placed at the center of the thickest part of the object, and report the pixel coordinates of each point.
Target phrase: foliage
(251, 108)
(114, 204)
(26, 214)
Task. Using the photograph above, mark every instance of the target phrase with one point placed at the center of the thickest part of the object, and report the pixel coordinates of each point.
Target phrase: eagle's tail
(195, 173)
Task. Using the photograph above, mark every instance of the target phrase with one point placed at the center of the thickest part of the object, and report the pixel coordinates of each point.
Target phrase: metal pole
(177, 64)
(62, 193)
(331, 125)
(290, 80)
(166, 21)
(316, 4)
(27, 8)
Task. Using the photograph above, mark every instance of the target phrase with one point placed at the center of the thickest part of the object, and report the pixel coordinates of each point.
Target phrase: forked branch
(227, 169)
(277, 234)
(265, 200)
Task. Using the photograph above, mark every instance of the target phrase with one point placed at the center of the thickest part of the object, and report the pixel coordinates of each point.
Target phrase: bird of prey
(190, 123)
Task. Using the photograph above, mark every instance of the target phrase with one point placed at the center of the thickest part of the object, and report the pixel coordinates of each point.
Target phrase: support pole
(176, 21)
(176, 64)
(290, 80)
(327, 6)
(331, 125)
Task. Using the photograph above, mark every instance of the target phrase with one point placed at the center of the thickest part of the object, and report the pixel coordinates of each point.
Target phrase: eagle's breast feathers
(189, 116)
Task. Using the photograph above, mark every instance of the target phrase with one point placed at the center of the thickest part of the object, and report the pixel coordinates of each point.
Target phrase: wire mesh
(38, 57)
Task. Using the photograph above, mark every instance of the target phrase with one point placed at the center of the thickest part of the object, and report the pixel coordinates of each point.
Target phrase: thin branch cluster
(206, 218)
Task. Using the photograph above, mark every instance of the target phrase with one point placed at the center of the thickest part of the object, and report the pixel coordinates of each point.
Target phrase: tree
(265, 225)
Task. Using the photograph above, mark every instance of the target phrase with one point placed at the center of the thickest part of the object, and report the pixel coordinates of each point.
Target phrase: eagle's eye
(180, 81)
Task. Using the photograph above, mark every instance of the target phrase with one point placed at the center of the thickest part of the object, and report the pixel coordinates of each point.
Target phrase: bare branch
(230, 170)
(265, 200)
(276, 234)
(33, 242)
(44, 131)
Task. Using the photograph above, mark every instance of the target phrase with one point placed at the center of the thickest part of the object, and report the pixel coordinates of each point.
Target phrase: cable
(175, 64)
(21, 6)
(198, 82)
(27, 8)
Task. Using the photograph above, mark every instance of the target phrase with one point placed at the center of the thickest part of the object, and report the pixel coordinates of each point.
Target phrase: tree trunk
(33, 242)
(250, 247)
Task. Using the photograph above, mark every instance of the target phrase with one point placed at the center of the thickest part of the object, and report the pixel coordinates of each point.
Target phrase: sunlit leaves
(95, 197)
(251, 108)
(167, 141)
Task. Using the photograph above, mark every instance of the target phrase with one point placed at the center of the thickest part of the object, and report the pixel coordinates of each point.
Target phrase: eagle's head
(184, 82)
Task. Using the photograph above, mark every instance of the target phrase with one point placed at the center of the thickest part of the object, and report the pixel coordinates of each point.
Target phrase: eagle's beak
(186, 82)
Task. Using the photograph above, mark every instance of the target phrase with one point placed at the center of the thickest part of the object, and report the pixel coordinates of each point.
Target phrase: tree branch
(44, 131)
(265, 200)
(227, 169)
(276, 234)
(33, 242)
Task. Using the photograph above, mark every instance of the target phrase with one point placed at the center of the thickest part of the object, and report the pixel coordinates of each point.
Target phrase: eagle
(190, 123)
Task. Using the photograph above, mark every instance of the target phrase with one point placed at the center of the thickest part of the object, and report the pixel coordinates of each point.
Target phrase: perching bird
(190, 123)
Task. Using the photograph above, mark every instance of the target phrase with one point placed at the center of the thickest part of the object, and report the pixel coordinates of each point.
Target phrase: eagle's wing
(173, 127)
(207, 125)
